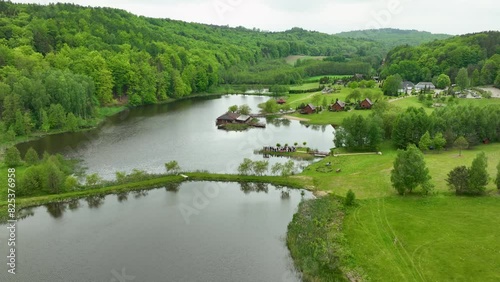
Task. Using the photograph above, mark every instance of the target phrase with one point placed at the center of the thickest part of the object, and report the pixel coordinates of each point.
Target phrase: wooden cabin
(338, 106)
(366, 104)
(309, 109)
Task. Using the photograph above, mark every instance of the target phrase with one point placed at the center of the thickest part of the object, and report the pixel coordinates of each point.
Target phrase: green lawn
(305, 86)
(369, 175)
(441, 237)
(426, 239)
(294, 58)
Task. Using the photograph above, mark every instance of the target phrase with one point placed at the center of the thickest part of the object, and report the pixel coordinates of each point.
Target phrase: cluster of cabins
(338, 106)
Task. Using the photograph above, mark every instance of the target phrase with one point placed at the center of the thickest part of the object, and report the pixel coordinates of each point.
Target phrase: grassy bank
(441, 237)
(317, 242)
(293, 182)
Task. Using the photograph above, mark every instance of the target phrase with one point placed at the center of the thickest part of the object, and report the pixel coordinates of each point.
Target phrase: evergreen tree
(478, 175)
(439, 141)
(31, 157)
(425, 142)
(461, 143)
(45, 122)
(12, 157)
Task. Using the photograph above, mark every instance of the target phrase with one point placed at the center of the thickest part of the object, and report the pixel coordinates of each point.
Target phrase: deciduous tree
(461, 143)
(410, 171)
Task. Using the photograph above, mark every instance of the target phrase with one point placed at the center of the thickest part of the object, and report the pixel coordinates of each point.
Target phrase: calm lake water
(198, 231)
(189, 233)
(145, 138)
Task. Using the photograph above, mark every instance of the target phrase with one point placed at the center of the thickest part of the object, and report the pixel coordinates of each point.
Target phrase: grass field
(293, 59)
(441, 237)
(426, 239)
(336, 76)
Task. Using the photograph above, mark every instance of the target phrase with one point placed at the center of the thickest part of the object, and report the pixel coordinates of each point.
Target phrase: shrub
(349, 198)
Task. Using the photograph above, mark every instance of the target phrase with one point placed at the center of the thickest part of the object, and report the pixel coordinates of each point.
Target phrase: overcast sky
(329, 16)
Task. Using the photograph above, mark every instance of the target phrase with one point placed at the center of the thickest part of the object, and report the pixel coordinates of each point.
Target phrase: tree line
(477, 53)
(445, 125)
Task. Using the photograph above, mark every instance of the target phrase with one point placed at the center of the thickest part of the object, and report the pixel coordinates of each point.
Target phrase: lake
(198, 231)
(145, 138)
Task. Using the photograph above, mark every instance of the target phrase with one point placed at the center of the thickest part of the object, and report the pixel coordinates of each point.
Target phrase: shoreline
(152, 183)
(296, 118)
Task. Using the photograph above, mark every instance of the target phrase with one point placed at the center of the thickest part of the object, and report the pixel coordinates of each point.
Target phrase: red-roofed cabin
(338, 106)
(366, 104)
(281, 101)
(309, 109)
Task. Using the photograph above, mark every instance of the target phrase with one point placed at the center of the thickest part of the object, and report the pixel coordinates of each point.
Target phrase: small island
(238, 119)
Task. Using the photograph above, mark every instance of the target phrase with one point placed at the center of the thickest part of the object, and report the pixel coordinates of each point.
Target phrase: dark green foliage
(48, 176)
(458, 180)
(391, 38)
(317, 243)
(470, 181)
(461, 144)
(409, 127)
(172, 167)
(349, 198)
(478, 175)
(410, 171)
(497, 179)
(12, 157)
(462, 79)
(425, 142)
(423, 62)
(392, 84)
(31, 157)
(66, 60)
(359, 133)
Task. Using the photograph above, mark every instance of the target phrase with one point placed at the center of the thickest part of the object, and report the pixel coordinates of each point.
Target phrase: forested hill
(60, 62)
(478, 53)
(391, 37)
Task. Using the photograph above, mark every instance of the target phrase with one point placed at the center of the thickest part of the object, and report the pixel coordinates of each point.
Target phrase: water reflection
(25, 213)
(56, 210)
(173, 187)
(95, 201)
(122, 196)
(248, 187)
(74, 204)
(140, 193)
(278, 122)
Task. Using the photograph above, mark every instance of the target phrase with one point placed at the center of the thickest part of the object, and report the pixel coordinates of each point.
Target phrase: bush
(349, 198)
(13, 157)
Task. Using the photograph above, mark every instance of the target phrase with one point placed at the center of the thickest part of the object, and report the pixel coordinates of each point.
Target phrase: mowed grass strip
(443, 238)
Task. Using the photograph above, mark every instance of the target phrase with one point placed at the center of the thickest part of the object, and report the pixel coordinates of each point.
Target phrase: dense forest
(478, 53)
(59, 62)
(391, 38)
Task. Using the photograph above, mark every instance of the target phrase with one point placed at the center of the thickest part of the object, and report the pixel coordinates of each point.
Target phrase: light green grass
(305, 86)
(335, 76)
(426, 239)
(294, 58)
(369, 175)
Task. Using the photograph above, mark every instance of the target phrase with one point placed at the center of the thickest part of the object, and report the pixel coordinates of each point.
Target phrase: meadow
(439, 237)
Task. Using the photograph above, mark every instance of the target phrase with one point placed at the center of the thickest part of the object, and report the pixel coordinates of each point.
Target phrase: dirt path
(296, 118)
(357, 154)
(495, 92)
